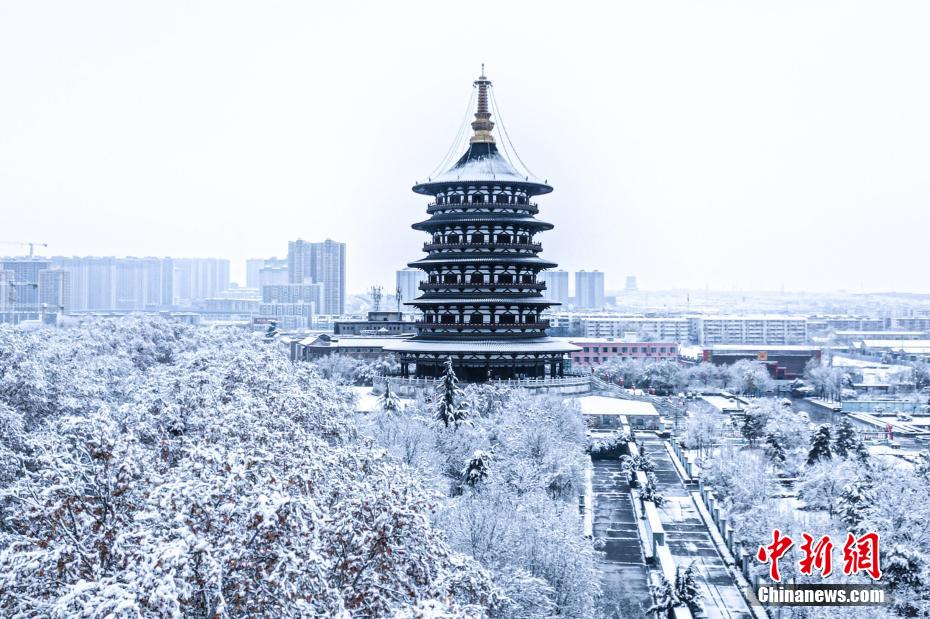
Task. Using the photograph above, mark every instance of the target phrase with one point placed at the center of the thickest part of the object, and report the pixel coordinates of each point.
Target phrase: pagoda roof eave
(489, 259)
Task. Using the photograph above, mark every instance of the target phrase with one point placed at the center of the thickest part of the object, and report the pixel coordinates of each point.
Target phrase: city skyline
(756, 170)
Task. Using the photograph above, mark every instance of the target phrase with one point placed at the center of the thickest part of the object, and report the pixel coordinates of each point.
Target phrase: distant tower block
(482, 301)
(631, 284)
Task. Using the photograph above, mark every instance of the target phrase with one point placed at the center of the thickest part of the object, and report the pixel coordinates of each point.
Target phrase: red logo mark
(861, 555)
(774, 551)
(819, 555)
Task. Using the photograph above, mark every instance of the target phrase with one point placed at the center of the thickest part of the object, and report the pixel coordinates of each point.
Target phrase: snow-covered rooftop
(481, 163)
(601, 405)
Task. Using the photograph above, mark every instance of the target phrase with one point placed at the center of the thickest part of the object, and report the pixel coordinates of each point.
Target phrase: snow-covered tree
(820, 445)
(476, 468)
(613, 445)
(753, 425)
(750, 377)
(703, 430)
(449, 410)
(854, 502)
(704, 375)
(687, 590)
(922, 467)
(650, 492)
(821, 484)
(903, 567)
(203, 474)
(665, 377)
(774, 448)
(388, 401)
(845, 442)
(920, 375)
(665, 598)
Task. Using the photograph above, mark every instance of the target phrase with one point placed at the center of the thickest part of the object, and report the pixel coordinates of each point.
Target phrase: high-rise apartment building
(320, 263)
(23, 286)
(6, 295)
(271, 276)
(556, 285)
(589, 290)
(55, 291)
(294, 293)
(408, 284)
(196, 279)
(254, 267)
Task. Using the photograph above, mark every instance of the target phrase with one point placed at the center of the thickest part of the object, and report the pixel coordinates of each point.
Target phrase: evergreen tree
(774, 448)
(854, 502)
(476, 469)
(902, 567)
(862, 453)
(651, 493)
(448, 410)
(665, 599)
(644, 462)
(272, 331)
(844, 445)
(753, 427)
(686, 589)
(820, 446)
(389, 402)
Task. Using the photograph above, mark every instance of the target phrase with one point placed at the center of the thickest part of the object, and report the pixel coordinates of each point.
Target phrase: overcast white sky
(747, 144)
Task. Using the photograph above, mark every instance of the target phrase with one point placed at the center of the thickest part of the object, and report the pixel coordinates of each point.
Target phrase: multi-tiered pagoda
(482, 301)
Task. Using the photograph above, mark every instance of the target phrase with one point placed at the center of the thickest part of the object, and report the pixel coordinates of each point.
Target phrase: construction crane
(31, 244)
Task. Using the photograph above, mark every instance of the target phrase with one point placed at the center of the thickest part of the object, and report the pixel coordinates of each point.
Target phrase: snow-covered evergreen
(820, 445)
(846, 441)
(686, 589)
(449, 410)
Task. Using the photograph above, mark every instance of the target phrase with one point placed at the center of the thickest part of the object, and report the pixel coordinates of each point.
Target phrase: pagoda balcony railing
(498, 206)
(481, 287)
(491, 246)
(494, 326)
(566, 381)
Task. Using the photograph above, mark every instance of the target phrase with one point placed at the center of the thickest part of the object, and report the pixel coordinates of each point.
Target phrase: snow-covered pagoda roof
(482, 163)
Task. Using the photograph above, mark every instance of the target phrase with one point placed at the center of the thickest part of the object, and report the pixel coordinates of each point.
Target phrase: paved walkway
(689, 540)
(624, 575)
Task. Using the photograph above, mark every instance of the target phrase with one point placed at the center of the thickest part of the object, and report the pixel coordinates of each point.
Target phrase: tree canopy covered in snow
(149, 469)
(155, 470)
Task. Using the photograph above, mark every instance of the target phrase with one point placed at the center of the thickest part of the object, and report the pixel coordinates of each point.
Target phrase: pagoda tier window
(450, 279)
(507, 319)
(503, 238)
(452, 238)
(447, 319)
(478, 238)
(476, 278)
(476, 318)
(505, 278)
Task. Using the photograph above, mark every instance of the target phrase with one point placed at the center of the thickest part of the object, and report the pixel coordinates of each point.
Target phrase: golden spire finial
(482, 123)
